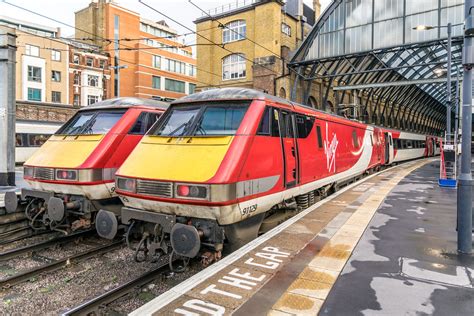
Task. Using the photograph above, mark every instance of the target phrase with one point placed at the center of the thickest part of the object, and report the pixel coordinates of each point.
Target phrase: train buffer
(384, 245)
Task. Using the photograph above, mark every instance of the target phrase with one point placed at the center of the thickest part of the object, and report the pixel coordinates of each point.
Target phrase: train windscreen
(91, 123)
(202, 120)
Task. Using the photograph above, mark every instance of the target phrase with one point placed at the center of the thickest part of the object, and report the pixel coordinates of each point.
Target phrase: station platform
(384, 245)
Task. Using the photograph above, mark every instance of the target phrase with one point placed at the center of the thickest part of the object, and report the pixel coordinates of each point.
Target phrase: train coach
(224, 165)
(72, 176)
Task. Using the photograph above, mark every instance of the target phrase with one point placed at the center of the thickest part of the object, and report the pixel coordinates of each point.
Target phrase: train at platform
(222, 166)
(72, 175)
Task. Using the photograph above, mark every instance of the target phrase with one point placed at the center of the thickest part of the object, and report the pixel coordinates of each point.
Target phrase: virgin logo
(330, 150)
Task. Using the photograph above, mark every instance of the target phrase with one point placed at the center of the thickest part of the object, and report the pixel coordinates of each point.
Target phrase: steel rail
(116, 293)
(24, 276)
(42, 245)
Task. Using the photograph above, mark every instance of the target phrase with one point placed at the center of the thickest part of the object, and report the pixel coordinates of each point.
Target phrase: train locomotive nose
(11, 201)
(185, 240)
(106, 224)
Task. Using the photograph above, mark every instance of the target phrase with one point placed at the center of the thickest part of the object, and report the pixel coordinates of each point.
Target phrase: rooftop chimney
(317, 9)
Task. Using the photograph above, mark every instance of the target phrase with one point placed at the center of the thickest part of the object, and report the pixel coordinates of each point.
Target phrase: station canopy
(370, 46)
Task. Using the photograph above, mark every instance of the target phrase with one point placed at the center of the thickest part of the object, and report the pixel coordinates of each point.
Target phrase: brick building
(152, 62)
(89, 74)
(260, 35)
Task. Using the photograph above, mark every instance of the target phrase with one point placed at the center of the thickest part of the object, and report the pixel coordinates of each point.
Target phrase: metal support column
(464, 205)
(7, 108)
(448, 85)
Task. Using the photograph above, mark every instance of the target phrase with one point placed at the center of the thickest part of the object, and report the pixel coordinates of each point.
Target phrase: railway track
(108, 297)
(42, 245)
(56, 264)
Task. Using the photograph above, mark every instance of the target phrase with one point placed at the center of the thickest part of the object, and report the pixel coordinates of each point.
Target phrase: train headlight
(127, 184)
(191, 191)
(28, 172)
(66, 174)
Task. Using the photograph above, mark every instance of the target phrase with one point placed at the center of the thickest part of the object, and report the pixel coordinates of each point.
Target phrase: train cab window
(355, 140)
(201, 120)
(371, 140)
(304, 125)
(91, 122)
(390, 140)
(320, 137)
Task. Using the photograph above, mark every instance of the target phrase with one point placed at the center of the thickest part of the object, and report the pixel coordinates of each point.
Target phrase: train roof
(127, 102)
(249, 94)
(230, 94)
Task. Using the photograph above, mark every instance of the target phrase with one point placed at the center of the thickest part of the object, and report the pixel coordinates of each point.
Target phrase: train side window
(151, 119)
(355, 140)
(390, 139)
(275, 123)
(19, 140)
(36, 140)
(138, 127)
(287, 130)
(304, 125)
(264, 127)
(320, 137)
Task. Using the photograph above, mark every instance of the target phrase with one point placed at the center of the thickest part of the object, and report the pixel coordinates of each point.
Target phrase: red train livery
(72, 175)
(222, 166)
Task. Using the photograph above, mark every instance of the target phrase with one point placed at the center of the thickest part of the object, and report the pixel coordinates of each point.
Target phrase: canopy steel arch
(397, 82)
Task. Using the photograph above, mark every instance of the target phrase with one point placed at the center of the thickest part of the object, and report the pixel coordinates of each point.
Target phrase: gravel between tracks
(55, 292)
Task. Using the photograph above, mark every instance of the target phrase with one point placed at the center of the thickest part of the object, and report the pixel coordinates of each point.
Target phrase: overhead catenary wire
(202, 36)
(222, 25)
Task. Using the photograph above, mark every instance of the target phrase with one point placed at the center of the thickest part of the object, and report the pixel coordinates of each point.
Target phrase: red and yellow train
(222, 166)
(72, 176)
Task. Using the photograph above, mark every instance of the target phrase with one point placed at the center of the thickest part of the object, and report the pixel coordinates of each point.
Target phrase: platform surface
(385, 245)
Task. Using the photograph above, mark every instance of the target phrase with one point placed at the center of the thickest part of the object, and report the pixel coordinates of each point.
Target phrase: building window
(192, 88)
(286, 29)
(92, 81)
(233, 67)
(174, 85)
(191, 70)
(156, 82)
(34, 94)
(55, 55)
(76, 100)
(77, 79)
(234, 31)
(75, 59)
(175, 66)
(56, 96)
(91, 99)
(90, 62)
(34, 74)
(32, 50)
(56, 76)
(156, 61)
(102, 63)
